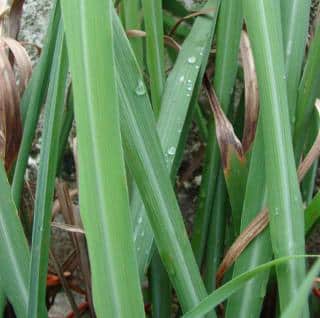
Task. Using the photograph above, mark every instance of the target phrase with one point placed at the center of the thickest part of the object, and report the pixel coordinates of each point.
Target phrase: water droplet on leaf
(140, 90)
(171, 151)
(192, 59)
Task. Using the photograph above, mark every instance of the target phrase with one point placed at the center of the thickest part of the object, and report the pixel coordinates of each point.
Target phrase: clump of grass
(144, 75)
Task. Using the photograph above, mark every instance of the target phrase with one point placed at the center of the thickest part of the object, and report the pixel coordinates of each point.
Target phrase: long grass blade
(155, 50)
(32, 101)
(284, 198)
(160, 284)
(259, 251)
(216, 235)
(160, 289)
(206, 199)
(46, 178)
(295, 23)
(235, 284)
(312, 214)
(132, 20)
(295, 308)
(14, 250)
(307, 94)
(104, 202)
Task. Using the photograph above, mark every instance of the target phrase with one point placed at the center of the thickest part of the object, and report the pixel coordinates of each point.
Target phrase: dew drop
(140, 90)
(172, 151)
(197, 67)
(192, 59)
(142, 234)
(181, 79)
(140, 220)
(189, 85)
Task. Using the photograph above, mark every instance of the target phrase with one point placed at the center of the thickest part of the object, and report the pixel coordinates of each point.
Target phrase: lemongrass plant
(125, 84)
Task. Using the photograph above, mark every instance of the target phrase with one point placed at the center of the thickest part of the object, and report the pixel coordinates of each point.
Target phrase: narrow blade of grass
(46, 178)
(201, 123)
(235, 284)
(284, 198)
(205, 199)
(160, 284)
(236, 178)
(216, 233)
(155, 50)
(132, 19)
(296, 305)
(14, 251)
(295, 23)
(160, 289)
(186, 78)
(228, 40)
(104, 202)
(307, 94)
(248, 300)
(312, 214)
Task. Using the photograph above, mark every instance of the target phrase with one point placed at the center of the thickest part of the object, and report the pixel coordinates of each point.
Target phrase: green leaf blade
(46, 178)
(104, 202)
(14, 250)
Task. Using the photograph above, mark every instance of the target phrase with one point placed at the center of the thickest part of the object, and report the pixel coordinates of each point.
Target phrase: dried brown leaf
(15, 18)
(226, 137)
(251, 92)
(22, 61)
(67, 227)
(259, 223)
(10, 114)
(10, 92)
